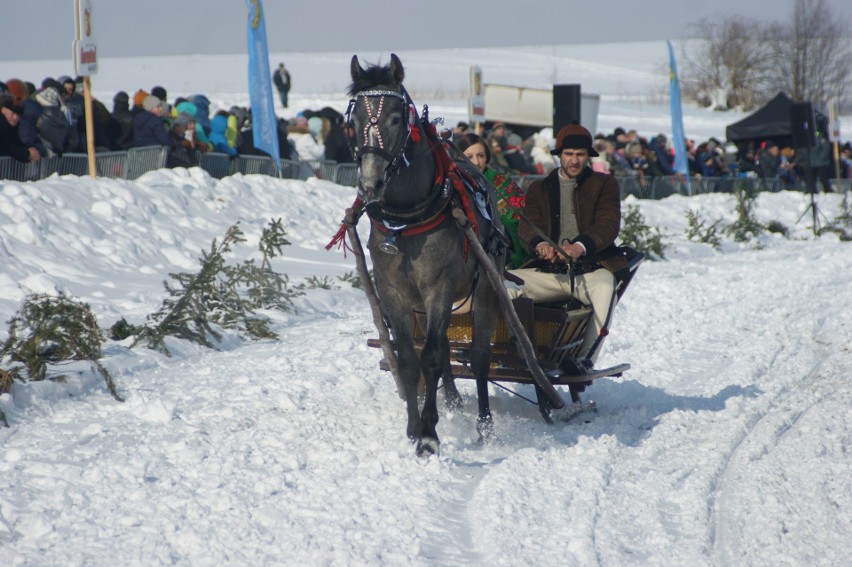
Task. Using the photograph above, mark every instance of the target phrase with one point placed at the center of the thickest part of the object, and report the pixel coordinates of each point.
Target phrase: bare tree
(811, 54)
(728, 65)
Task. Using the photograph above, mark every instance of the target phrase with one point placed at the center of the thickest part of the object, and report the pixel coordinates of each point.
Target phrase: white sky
(44, 29)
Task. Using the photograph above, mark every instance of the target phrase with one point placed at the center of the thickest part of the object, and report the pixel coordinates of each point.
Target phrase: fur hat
(574, 136)
(150, 102)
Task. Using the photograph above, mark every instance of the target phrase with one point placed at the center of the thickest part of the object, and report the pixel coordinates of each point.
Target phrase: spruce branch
(49, 330)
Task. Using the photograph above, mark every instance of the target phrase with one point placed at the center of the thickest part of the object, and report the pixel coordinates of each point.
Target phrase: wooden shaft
(373, 300)
(509, 314)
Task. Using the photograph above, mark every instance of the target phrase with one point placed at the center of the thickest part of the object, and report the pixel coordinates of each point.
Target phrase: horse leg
(409, 372)
(452, 397)
(432, 364)
(408, 364)
(484, 321)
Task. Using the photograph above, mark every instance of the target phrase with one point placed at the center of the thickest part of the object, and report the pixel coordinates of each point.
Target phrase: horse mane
(371, 77)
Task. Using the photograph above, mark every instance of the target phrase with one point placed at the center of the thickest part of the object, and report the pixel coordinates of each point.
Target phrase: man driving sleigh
(578, 210)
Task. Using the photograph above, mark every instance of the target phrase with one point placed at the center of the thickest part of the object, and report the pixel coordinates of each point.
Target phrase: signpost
(476, 100)
(85, 65)
(834, 127)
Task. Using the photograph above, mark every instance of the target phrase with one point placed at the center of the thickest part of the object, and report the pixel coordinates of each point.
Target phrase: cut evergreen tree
(184, 313)
(746, 226)
(51, 329)
(220, 295)
(637, 234)
(264, 287)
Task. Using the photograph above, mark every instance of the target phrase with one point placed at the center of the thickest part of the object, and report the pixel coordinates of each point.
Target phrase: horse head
(382, 118)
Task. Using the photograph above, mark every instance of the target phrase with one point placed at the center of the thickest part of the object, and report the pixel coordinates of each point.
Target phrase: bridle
(359, 142)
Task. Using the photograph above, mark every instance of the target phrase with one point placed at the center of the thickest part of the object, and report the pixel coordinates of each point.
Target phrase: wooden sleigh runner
(556, 332)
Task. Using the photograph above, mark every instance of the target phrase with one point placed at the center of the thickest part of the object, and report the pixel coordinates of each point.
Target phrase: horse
(421, 264)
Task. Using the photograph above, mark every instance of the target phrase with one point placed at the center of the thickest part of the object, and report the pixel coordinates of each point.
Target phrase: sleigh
(556, 332)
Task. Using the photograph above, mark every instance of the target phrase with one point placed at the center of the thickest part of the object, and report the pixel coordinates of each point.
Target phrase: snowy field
(727, 443)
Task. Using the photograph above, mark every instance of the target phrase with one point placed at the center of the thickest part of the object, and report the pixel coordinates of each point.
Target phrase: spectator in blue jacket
(27, 130)
(664, 158)
(148, 126)
(202, 114)
(217, 135)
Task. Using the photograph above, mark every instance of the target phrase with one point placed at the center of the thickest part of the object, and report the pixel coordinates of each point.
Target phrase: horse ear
(355, 68)
(397, 72)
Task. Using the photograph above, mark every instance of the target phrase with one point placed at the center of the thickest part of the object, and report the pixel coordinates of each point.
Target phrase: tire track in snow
(750, 459)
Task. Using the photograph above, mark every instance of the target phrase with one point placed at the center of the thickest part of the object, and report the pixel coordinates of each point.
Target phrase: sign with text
(476, 100)
(85, 49)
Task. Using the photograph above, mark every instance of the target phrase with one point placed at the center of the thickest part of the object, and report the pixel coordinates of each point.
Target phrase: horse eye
(395, 120)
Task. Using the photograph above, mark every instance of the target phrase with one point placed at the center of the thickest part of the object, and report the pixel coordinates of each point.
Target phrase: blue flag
(264, 121)
(681, 165)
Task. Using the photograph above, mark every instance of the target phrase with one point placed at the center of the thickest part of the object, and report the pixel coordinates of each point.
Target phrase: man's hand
(547, 252)
(33, 154)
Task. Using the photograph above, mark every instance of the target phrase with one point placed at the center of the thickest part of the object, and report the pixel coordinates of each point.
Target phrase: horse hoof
(454, 402)
(427, 447)
(485, 428)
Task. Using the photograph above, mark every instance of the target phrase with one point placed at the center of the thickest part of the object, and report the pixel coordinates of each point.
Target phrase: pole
(351, 221)
(511, 317)
(90, 128)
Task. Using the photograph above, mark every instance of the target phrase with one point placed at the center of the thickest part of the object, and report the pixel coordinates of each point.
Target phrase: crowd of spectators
(625, 153)
(49, 121)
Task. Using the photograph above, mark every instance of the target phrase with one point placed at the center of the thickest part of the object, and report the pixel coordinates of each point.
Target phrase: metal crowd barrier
(346, 174)
(145, 159)
(136, 161)
(218, 165)
(322, 168)
(262, 165)
(15, 170)
(293, 169)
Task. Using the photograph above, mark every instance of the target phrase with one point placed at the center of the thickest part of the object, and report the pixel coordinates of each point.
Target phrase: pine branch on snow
(49, 330)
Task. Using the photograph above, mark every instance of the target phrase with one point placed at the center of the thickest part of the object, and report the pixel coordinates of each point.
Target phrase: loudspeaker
(566, 105)
(803, 125)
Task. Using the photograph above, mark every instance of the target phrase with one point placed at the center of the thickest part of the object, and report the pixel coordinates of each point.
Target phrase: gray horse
(420, 260)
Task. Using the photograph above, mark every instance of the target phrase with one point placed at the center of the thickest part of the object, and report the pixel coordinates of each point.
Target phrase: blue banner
(264, 121)
(681, 164)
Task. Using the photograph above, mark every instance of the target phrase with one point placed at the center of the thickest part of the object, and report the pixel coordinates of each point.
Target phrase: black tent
(772, 121)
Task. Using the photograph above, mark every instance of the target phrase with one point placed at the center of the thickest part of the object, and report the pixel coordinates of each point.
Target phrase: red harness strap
(444, 168)
(417, 229)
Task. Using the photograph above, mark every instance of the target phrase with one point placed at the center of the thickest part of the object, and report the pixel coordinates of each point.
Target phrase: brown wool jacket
(597, 201)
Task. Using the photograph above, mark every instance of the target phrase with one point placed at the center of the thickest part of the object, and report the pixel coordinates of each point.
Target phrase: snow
(727, 443)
